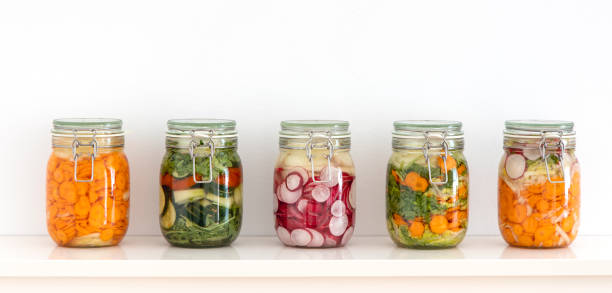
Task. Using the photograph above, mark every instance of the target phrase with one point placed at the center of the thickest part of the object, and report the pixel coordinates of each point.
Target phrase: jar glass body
(94, 213)
(534, 211)
(314, 200)
(193, 212)
(421, 214)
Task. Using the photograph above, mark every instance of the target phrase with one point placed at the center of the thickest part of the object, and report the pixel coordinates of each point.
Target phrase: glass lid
(565, 127)
(87, 125)
(199, 125)
(302, 127)
(412, 127)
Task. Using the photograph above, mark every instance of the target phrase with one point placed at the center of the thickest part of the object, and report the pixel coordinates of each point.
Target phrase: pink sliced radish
(352, 196)
(347, 235)
(302, 204)
(515, 166)
(303, 173)
(275, 203)
(532, 154)
(331, 176)
(301, 237)
(338, 209)
(284, 236)
(320, 193)
(290, 197)
(337, 225)
(317, 238)
(330, 242)
(293, 181)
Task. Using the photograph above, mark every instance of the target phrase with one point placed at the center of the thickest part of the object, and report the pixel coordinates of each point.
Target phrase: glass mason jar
(88, 183)
(200, 195)
(427, 184)
(539, 184)
(314, 184)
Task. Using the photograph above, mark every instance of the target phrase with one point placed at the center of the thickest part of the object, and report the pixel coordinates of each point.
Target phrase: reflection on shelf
(94, 253)
(212, 253)
(409, 253)
(537, 253)
(301, 253)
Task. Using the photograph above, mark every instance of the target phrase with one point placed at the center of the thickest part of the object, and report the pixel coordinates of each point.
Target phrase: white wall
(370, 62)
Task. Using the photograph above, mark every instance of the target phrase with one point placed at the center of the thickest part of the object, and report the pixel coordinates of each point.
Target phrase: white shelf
(151, 256)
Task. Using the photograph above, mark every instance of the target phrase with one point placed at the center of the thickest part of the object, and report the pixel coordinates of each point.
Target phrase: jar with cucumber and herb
(427, 185)
(200, 203)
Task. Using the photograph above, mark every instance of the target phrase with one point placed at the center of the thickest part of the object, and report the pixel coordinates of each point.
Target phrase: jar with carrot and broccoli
(427, 184)
(88, 183)
(200, 203)
(314, 184)
(539, 184)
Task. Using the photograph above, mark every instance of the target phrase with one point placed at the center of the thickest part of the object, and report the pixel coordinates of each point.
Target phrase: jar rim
(201, 126)
(419, 127)
(299, 128)
(87, 126)
(535, 125)
(539, 128)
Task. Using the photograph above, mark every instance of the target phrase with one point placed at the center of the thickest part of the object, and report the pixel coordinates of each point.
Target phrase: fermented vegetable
(201, 214)
(539, 184)
(421, 214)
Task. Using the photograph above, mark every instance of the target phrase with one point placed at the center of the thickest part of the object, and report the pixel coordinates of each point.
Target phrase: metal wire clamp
(329, 146)
(426, 147)
(543, 147)
(193, 146)
(75, 155)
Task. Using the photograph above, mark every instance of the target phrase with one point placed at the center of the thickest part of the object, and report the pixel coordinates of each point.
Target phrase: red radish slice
(300, 237)
(284, 236)
(347, 235)
(337, 225)
(303, 173)
(338, 209)
(352, 196)
(290, 197)
(321, 193)
(294, 181)
(532, 154)
(317, 238)
(275, 203)
(331, 176)
(302, 204)
(330, 242)
(278, 193)
(515, 166)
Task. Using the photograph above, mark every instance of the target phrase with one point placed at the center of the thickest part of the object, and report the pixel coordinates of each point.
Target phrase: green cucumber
(168, 219)
(188, 195)
(219, 200)
(238, 194)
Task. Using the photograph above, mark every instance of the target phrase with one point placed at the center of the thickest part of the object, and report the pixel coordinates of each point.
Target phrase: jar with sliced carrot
(427, 185)
(200, 193)
(539, 184)
(88, 183)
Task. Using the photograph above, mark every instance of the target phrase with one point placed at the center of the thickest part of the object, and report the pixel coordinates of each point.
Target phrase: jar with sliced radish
(427, 185)
(539, 184)
(314, 184)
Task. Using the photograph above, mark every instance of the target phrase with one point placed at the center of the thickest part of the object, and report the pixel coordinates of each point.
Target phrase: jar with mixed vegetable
(539, 184)
(88, 183)
(200, 203)
(427, 185)
(314, 184)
